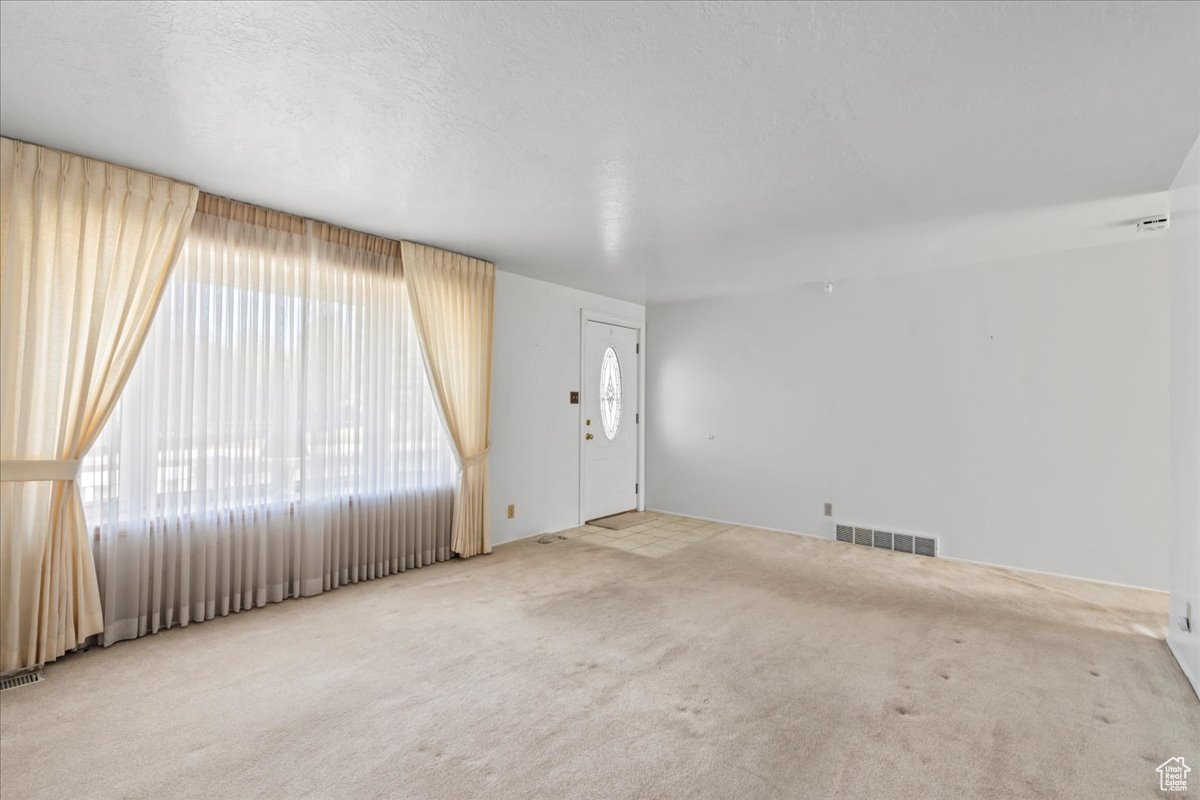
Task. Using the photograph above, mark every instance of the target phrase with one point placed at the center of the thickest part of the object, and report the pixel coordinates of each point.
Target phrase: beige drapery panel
(85, 254)
(453, 300)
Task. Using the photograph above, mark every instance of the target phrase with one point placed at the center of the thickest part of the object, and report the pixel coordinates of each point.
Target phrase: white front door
(609, 419)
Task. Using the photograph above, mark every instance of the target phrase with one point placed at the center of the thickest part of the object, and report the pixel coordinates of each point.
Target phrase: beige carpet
(746, 665)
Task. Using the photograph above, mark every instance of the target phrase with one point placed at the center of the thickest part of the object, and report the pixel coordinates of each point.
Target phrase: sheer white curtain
(278, 436)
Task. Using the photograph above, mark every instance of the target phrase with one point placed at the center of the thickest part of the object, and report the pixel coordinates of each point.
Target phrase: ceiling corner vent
(887, 540)
(1157, 223)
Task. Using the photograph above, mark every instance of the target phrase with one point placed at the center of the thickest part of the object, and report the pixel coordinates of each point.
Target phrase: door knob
(589, 436)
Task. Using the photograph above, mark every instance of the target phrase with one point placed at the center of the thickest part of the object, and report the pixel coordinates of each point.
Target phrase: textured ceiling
(645, 150)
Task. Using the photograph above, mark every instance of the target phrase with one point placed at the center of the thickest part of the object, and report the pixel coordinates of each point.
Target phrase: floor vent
(21, 679)
(886, 540)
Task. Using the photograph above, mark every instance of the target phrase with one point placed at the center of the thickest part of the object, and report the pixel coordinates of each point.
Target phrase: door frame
(586, 316)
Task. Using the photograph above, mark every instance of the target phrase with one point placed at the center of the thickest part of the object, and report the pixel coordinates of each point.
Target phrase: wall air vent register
(887, 540)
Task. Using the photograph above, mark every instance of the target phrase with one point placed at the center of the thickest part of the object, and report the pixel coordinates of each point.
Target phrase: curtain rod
(341, 227)
(75, 154)
(243, 202)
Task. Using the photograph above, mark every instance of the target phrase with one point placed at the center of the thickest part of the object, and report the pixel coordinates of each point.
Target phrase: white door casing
(609, 418)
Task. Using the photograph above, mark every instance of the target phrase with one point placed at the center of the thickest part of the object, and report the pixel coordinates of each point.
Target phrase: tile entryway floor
(665, 534)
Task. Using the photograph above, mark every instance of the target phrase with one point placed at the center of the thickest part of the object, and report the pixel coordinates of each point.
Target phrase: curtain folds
(85, 252)
(278, 437)
(453, 300)
(298, 407)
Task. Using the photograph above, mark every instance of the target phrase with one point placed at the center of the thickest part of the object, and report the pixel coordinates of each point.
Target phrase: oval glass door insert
(610, 393)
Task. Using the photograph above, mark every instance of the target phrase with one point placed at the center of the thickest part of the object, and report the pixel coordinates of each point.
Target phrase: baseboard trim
(532, 536)
(947, 558)
(739, 524)
(1191, 679)
(1054, 574)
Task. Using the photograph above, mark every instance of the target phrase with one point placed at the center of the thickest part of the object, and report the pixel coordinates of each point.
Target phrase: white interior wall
(1017, 409)
(534, 460)
(1185, 415)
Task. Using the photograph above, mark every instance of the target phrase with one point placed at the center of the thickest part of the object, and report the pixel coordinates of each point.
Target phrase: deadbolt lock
(587, 422)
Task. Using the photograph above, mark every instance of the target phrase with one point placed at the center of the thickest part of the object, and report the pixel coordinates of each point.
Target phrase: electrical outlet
(512, 510)
(829, 509)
